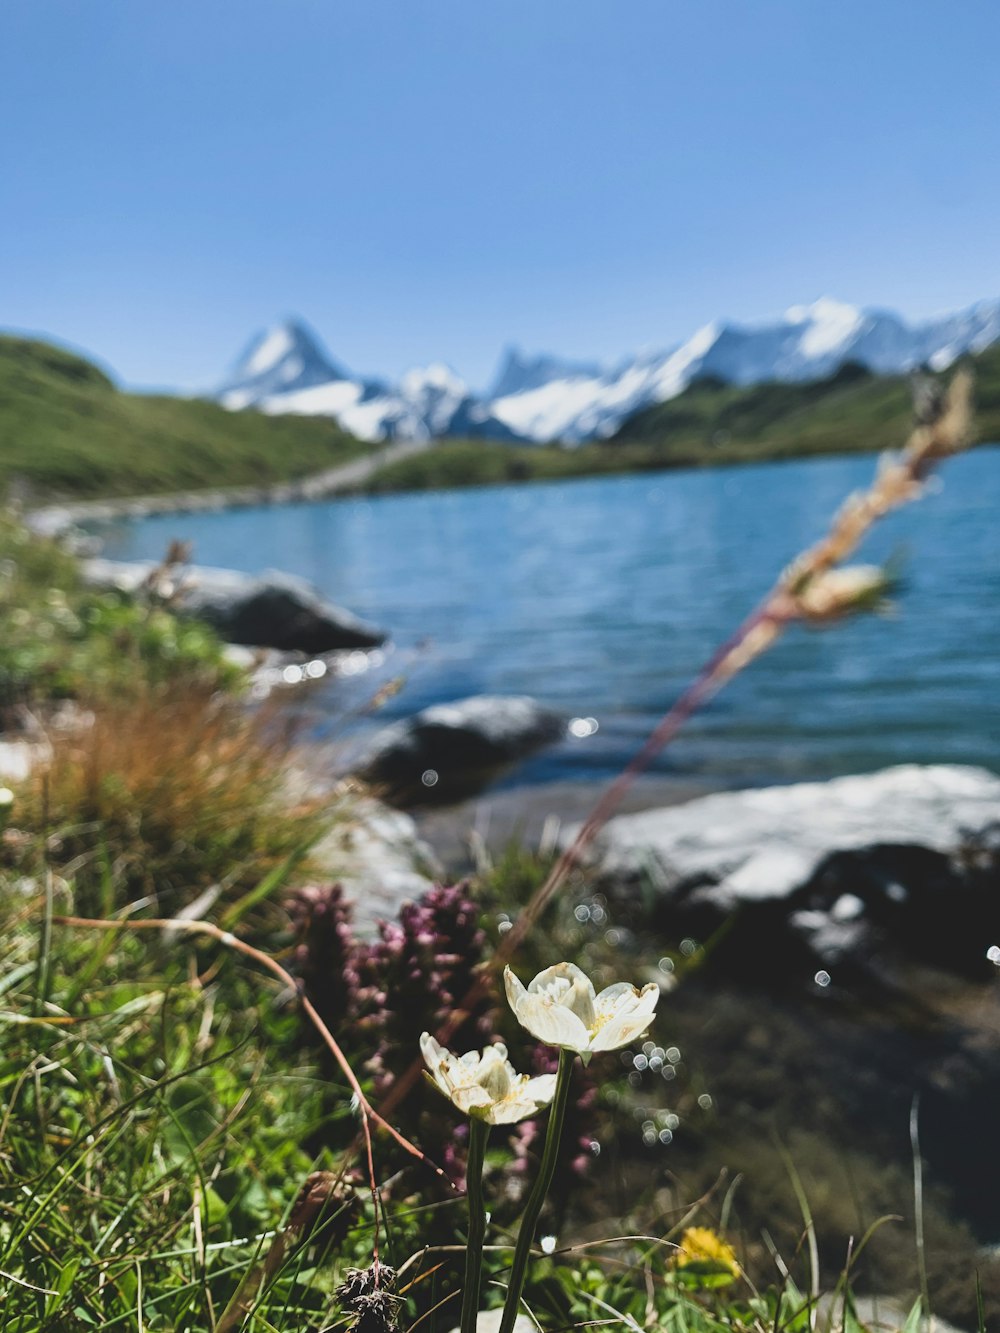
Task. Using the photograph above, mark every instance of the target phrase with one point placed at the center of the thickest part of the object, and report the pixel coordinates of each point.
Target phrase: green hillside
(709, 423)
(67, 431)
(851, 410)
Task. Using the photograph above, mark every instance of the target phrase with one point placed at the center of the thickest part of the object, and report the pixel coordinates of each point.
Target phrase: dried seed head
(360, 1283)
(928, 399)
(843, 592)
(948, 431)
(376, 1313)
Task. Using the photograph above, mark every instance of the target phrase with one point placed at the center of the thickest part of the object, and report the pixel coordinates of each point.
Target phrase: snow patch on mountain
(271, 349)
(543, 398)
(828, 325)
(435, 394)
(520, 373)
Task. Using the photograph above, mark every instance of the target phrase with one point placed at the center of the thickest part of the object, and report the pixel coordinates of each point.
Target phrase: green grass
(710, 423)
(63, 640)
(155, 1122)
(164, 773)
(67, 431)
(482, 463)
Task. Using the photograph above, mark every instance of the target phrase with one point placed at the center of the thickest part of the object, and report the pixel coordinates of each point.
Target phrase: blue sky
(433, 180)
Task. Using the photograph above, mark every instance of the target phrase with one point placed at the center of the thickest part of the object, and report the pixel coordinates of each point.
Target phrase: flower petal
(611, 996)
(440, 1063)
(552, 1023)
(511, 1111)
(471, 1099)
(553, 980)
(539, 1090)
(514, 988)
(430, 1049)
(620, 1031)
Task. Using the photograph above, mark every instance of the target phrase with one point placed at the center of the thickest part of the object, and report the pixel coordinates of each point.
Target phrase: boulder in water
(270, 610)
(451, 750)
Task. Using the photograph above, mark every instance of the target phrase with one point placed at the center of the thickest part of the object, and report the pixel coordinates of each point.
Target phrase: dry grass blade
(179, 789)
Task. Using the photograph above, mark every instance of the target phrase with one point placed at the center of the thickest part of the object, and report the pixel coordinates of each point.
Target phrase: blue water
(602, 597)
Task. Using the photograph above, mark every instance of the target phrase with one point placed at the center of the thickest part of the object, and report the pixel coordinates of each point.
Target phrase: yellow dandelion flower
(705, 1259)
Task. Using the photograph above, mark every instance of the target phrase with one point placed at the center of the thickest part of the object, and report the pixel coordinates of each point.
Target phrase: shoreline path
(52, 519)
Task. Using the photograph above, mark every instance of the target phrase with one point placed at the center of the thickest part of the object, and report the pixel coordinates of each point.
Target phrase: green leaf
(191, 1118)
(267, 886)
(914, 1318)
(63, 1285)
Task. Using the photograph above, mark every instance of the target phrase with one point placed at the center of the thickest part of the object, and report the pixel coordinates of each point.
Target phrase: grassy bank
(66, 431)
(710, 423)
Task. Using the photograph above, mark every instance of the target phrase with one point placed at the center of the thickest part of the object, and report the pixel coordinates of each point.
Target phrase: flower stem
(479, 1132)
(529, 1221)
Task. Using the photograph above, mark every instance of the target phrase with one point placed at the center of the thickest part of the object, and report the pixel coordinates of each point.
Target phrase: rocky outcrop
(904, 862)
(377, 855)
(451, 750)
(753, 845)
(270, 610)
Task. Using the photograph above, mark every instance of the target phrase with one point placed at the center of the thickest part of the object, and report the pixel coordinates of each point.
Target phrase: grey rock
(271, 610)
(840, 936)
(765, 844)
(451, 750)
(866, 875)
(378, 856)
(878, 1314)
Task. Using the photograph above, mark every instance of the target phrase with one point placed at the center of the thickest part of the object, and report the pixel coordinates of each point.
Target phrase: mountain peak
(287, 356)
(437, 376)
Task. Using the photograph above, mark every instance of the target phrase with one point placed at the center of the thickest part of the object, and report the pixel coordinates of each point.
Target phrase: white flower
(485, 1084)
(6, 796)
(488, 1321)
(561, 1008)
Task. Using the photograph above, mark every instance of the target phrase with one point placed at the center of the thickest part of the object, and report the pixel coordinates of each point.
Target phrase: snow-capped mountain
(287, 369)
(541, 398)
(285, 359)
